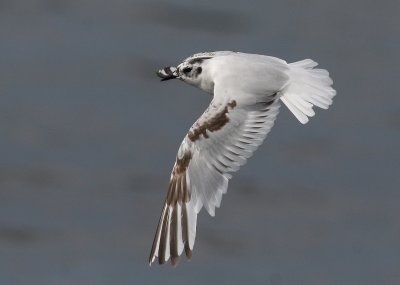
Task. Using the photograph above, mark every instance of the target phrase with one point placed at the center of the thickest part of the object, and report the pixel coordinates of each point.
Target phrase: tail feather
(308, 87)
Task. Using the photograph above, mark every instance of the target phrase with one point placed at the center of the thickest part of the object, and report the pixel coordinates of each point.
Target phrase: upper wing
(219, 142)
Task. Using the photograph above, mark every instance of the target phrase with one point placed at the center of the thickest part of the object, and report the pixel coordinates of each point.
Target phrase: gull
(247, 92)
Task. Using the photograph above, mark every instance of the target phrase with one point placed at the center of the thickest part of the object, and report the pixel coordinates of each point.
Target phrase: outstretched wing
(220, 141)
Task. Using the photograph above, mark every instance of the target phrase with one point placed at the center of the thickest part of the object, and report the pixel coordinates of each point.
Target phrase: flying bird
(247, 92)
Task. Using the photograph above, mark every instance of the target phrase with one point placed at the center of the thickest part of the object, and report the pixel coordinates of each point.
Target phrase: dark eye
(186, 69)
(199, 70)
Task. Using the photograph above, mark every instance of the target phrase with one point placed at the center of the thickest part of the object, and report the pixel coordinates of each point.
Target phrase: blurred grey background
(88, 137)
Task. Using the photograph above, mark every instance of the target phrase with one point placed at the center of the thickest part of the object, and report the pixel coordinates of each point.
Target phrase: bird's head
(192, 71)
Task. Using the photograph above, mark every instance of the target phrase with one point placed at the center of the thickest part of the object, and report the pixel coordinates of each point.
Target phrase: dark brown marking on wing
(158, 232)
(178, 192)
(188, 252)
(171, 195)
(174, 260)
(182, 163)
(174, 237)
(232, 104)
(177, 186)
(213, 124)
(163, 239)
(185, 231)
(185, 194)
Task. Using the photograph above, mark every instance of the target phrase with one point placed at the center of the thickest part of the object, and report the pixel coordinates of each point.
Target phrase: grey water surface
(88, 137)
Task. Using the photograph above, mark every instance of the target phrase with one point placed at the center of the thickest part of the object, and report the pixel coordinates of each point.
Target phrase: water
(88, 136)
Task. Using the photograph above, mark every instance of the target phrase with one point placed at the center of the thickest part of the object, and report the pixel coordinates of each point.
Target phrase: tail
(308, 87)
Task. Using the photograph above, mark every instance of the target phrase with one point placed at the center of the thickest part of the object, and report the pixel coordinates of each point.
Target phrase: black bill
(167, 73)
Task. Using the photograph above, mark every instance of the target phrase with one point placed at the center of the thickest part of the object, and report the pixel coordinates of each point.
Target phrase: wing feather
(220, 141)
